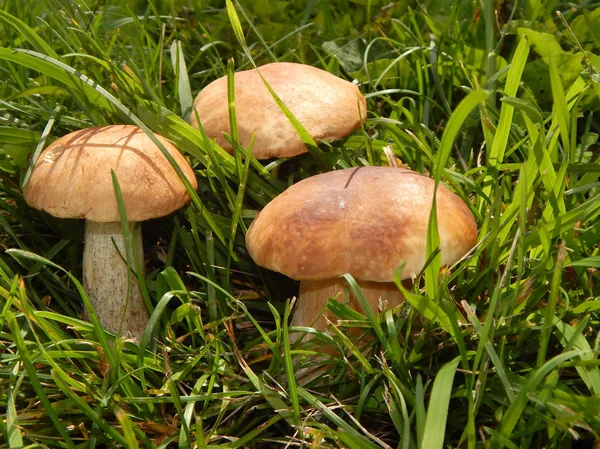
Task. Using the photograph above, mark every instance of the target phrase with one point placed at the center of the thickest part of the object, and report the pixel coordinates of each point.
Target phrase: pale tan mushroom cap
(327, 106)
(72, 177)
(364, 221)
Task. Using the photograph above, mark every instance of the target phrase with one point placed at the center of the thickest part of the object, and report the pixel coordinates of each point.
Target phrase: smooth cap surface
(327, 106)
(72, 177)
(363, 221)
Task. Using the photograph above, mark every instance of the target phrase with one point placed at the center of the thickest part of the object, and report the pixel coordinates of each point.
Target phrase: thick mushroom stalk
(311, 301)
(310, 312)
(113, 289)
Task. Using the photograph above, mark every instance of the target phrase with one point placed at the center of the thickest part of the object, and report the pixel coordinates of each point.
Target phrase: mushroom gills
(107, 279)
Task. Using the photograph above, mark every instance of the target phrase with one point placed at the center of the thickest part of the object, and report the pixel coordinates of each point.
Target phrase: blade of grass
(92, 414)
(127, 242)
(560, 108)
(292, 386)
(516, 409)
(11, 429)
(232, 115)
(127, 428)
(437, 412)
(72, 79)
(184, 90)
(17, 253)
(376, 326)
(453, 127)
(330, 415)
(496, 155)
(25, 357)
(28, 33)
(272, 398)
(185, 436)
(570, 338)
(551, 305)
(490, 350)
(41, 143)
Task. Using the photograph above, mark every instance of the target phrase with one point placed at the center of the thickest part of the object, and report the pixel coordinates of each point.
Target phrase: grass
(496, 100)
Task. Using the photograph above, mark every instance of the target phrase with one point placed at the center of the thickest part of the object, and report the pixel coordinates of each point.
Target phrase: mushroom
(365, 221)
(72, 179)
(328, 107)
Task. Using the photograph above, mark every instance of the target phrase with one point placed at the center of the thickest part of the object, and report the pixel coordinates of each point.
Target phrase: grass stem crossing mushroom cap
(328, 107)
(364, 221)
(72, 177)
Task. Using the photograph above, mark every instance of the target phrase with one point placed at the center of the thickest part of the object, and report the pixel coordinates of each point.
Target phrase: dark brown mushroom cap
(327, 106)
(363, 221)
(72, 177)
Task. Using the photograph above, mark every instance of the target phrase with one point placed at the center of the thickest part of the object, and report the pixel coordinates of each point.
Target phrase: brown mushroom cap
(72, 179)
(327, 107)
(363, 221)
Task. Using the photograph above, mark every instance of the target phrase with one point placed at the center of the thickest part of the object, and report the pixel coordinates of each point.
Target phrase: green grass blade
(593, 261)
(250, 436)
(92, 414)
(432, 270)
(453, 127)
(17, 253)
(560, 107)
(292, 386)
(315, 402)
(516, 409)
(52, 67)
(25, 358)
(11, 427)
(184, 90)
(551, 305)
(41, 144)
(420, 413)
(184, 433)
(568, 335)
(490, 350)
(428, 307)
(28, 33)
(366, 307)
(304, 135)
(351, 441)
(437, 412)
(513, 79)
(233, 116)
(455, 123)
(235, 24)
(125, 230)
(127, 428)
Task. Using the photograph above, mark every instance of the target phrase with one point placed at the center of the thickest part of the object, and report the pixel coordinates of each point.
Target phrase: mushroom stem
(314, 293)
(105, 278)
(311, 305)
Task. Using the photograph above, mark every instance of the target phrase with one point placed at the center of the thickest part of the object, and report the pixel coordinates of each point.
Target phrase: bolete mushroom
(365, 221)
(328, 107)
(72, 179)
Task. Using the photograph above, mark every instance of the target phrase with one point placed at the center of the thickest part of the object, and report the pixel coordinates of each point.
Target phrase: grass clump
(500, 350)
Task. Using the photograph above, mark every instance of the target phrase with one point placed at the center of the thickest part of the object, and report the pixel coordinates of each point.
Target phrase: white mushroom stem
(105, 278)
(313, 295)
